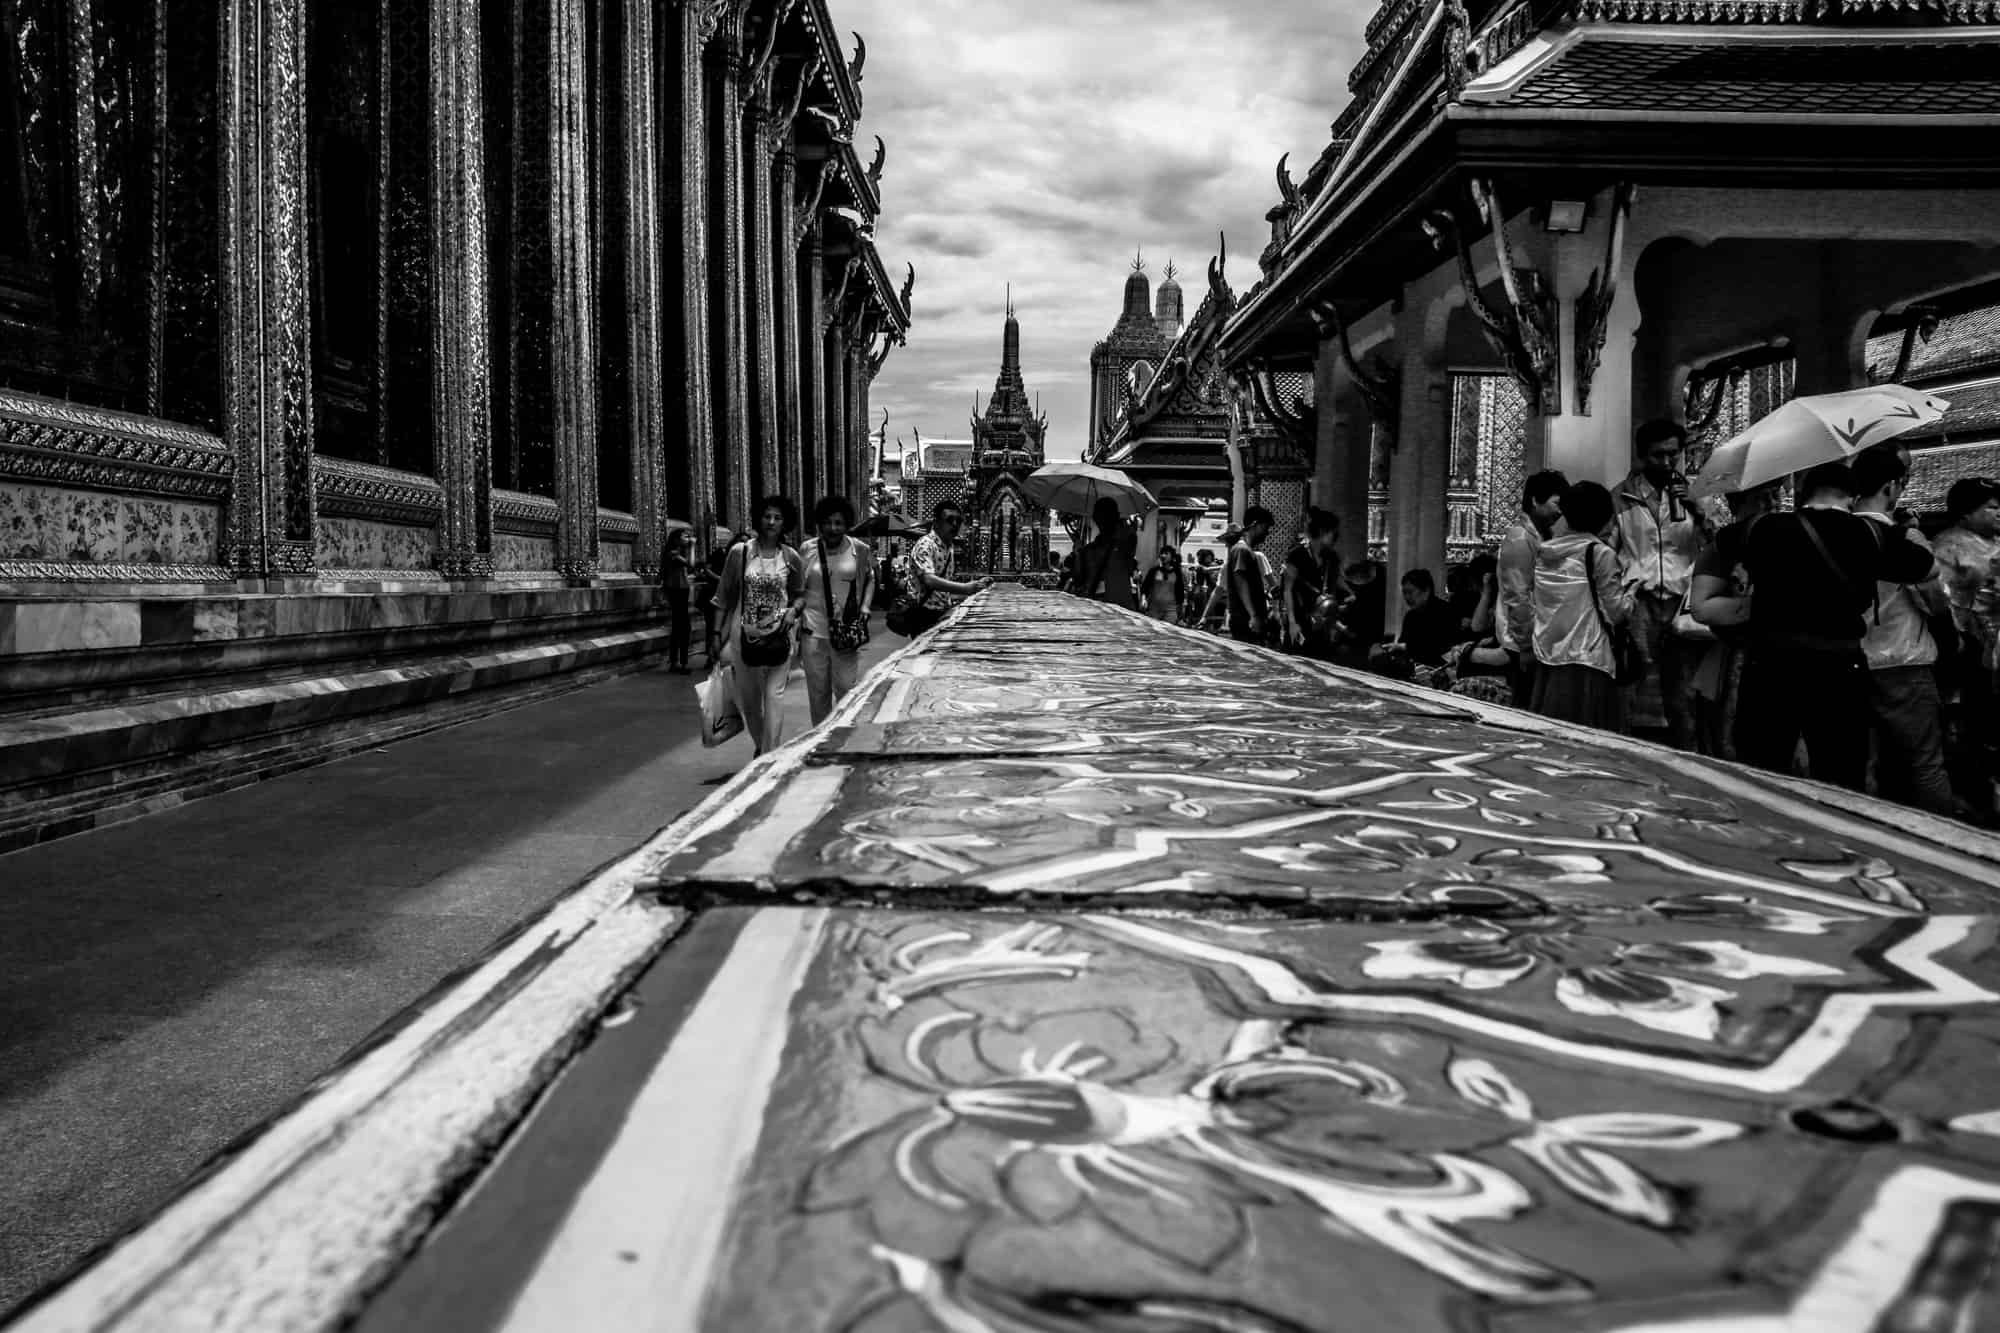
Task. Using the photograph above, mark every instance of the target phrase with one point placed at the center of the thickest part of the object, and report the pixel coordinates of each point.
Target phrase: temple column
(642, 291)
(1340, 463)
(572, 334)
(835, 452)
(694, 417)
(857, 421)
(759, 264)
(461, 357)
(267, 364)
(1420, 466)
(1592, 439)
(785, 246)
(811, 335)
(732, 427)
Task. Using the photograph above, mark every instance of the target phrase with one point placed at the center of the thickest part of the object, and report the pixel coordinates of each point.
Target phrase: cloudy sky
(1040, 142)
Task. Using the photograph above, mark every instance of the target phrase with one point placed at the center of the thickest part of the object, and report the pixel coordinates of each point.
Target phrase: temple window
(108, 258)
(369, 146)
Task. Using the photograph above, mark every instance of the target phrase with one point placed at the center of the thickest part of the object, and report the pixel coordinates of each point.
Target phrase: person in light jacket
(1514, 626)
(1576, 670)
(1658, 535)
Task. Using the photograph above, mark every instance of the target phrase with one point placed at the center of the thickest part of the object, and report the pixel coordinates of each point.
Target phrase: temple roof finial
(1172, 272)
(1139, 260)
(1010, 300)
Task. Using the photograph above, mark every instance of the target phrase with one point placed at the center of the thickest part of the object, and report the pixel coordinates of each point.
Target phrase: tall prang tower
(1123, 364)
(1009, 534)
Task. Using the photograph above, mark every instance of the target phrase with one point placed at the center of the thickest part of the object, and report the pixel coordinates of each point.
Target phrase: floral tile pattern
(50, 523)
(511, 551)
(356, 543)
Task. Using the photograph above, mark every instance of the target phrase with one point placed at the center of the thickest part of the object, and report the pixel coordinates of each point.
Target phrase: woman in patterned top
(763, 595)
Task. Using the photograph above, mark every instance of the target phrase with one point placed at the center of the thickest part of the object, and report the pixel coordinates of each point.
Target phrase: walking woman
(839, 586)
(761, 599)
(1579, 597)
(675, 579)
(1109, 561)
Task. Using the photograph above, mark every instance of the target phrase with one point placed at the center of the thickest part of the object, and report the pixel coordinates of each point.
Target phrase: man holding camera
(1657, 535)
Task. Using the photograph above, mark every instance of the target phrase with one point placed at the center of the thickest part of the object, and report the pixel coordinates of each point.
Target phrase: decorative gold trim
(84, 571)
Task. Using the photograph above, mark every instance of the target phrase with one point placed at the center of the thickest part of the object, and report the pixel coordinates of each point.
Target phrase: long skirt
(1580, 694)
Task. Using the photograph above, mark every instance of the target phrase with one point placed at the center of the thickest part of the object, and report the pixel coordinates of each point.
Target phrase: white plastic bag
(719, 718)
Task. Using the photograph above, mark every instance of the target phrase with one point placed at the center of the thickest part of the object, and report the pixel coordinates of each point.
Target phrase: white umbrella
(1075, 488)
(1820, 428)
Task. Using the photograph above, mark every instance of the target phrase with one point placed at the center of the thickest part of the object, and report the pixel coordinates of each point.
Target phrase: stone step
(65, 773)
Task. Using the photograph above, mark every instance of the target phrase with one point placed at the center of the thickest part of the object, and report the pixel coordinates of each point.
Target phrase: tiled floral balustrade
(358, 543)
(55, 523)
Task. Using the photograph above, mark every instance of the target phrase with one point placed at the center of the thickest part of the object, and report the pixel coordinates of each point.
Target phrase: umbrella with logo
(1075, 488)
(1820, 428)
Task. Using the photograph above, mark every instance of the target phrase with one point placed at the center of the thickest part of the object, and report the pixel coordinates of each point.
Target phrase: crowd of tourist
(1830, 638)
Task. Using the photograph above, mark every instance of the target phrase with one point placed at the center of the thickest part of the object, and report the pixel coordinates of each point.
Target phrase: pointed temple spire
(1010, 395)
(1138, 288)
(1168, 313)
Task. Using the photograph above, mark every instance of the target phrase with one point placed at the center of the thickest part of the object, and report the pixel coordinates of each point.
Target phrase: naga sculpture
(854, 67)
(1458, 68)
(1522, 334)
(909, 285)
(1380, 388)
(808, 213)
(875, 167)
(1281, 216)
(783, 116)
(1593, 306)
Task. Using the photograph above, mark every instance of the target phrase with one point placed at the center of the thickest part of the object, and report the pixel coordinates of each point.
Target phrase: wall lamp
(1567, 215)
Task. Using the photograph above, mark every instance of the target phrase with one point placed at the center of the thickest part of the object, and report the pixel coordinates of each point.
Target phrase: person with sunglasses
(934, 561)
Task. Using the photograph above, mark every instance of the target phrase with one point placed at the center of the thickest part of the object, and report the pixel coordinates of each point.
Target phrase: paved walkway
(1317, 1002)
(169, 983)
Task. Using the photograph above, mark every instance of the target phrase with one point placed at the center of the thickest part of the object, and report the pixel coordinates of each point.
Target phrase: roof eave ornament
(855, 65)
(1593, 306)
(1381, 389)
(909, 285)
(875, 167)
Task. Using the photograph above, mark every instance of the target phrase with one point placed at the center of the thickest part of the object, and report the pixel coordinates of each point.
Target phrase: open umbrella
(1075, 488)
(1820, 428)
(888, 523)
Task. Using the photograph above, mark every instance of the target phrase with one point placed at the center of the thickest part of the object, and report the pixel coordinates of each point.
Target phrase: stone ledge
(31, 626)
(64, 769)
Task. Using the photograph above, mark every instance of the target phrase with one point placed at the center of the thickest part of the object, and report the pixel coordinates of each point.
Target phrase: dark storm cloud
(1039, 143)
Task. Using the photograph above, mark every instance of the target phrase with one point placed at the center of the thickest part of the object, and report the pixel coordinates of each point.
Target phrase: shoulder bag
(849, 631)
(1942, 625)
(1628, 664)
(772, 648)
(910, 615)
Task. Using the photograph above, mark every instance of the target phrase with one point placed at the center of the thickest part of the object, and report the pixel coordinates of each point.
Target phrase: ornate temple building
(1006, 534)
(1504, 259)
(1196, 436)
(372, 350)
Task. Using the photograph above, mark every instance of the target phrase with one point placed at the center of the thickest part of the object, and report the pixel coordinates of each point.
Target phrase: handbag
(1685, 626)
(1628, 664)
(772, 648)
(719, 718)
(850, 631)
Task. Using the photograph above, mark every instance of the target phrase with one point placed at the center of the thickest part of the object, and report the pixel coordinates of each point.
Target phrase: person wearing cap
(1966, 554)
